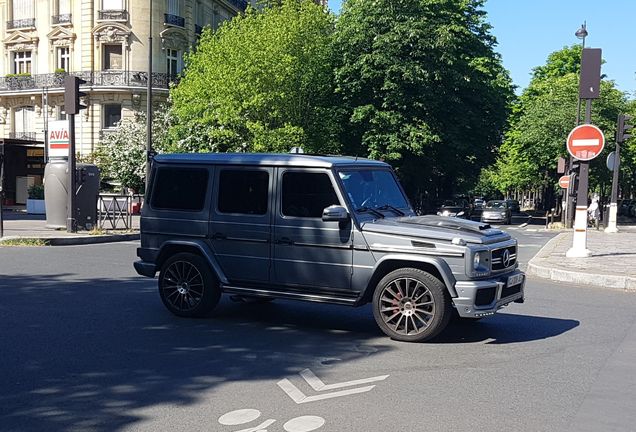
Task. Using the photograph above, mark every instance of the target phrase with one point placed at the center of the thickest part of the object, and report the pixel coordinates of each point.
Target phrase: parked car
(455, 208)
(514, 206)
(325, 229)
(497, 211)
(479, 203)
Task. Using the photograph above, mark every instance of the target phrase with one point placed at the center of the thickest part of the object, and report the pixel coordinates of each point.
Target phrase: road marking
(318, 385)
(304, 424)
(299, 397)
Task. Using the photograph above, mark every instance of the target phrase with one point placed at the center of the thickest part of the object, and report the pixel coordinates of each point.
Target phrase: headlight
(503, 214)
(439, 213)
(476, 260)
(461, 213)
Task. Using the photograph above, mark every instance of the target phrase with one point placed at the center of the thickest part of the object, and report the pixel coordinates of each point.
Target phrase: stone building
(105, 43)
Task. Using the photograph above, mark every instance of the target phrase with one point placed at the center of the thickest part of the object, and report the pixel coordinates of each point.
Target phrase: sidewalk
(612, 264)
(20, 225)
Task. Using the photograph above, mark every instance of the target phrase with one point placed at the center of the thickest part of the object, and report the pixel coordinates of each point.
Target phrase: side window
(243, 192)
(307, 194)
(179, 189)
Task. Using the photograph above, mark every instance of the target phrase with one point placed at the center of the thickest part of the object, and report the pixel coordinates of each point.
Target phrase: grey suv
(324, 229)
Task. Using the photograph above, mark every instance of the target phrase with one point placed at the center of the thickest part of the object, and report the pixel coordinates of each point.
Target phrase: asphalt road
(88, 346)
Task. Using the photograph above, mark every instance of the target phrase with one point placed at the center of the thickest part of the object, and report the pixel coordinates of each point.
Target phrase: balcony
(62, 19)
(240, 4)
(109, 78)
(21, 24)
(174, 20)
(26, 136)
(113, 15)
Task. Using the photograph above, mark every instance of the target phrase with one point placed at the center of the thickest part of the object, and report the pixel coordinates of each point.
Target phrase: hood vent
(419, 244)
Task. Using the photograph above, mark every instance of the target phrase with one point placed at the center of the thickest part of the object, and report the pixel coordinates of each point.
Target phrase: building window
(173, 7)
(24, 119)
(64, 58)
(112, 5)
(63, 7)
(112, 115)
(23, 9)
(60, 113)
(22, 62)
(112, 57)
(172, 56)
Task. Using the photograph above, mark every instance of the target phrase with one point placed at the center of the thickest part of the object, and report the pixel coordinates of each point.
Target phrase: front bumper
(493, 218)
(478, 299)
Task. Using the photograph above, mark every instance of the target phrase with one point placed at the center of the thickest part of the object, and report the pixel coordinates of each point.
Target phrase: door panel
(240, 228)
(308, 251)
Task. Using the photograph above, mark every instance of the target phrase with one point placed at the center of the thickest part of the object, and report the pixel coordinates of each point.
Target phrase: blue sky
(529, 30)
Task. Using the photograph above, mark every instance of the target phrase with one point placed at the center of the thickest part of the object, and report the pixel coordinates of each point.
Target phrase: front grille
(504, 258)
(508, 291)
(485, 296)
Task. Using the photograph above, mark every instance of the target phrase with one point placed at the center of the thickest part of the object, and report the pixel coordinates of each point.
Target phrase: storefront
(23, 167)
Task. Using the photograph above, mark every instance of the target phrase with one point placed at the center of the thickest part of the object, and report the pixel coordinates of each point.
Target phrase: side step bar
(318, 298)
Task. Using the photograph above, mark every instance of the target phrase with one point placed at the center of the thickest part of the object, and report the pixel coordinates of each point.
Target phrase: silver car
(497, 211)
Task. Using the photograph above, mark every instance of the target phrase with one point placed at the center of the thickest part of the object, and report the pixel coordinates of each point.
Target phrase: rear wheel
(187, 286)
(411, 305)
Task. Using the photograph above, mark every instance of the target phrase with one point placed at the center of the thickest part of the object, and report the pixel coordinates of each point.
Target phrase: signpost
(564, 181)
(584, 143)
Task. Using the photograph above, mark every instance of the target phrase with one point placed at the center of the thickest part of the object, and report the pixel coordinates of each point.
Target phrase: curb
(70, 241)
(536, 268)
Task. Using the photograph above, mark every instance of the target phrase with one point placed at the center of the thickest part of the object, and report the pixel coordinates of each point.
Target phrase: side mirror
(335, 213)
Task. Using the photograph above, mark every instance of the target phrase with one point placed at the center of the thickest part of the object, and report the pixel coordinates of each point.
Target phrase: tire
(187, 286)
(411, 305)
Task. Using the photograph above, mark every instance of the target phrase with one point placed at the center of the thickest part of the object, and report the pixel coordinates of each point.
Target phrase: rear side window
(307, 194)
(243, 191)
(181, 189)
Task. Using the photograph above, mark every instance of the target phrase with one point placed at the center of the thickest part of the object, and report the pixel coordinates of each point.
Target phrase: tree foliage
(422, 88)
(261, 82)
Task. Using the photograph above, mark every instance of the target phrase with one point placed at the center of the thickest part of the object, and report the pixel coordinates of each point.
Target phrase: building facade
(105, 43)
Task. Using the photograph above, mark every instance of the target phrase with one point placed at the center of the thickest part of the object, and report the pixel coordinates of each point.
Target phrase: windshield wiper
(370, 210)
(390, 207)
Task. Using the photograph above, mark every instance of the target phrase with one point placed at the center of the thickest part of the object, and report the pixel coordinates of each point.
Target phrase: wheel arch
(437, 268)
(174, 247)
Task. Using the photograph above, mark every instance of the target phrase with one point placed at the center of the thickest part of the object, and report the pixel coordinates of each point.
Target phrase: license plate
(515, 280)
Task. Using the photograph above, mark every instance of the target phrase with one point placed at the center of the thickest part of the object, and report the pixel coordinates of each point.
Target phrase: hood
(437, 227)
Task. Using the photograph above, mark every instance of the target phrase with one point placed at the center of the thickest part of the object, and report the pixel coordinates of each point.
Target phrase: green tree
(422, 88)
(262, 82)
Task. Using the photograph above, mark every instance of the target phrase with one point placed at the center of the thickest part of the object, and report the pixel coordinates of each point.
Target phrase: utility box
(56, 194)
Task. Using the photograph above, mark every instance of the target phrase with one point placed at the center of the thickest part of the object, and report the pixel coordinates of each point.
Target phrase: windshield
(372, 188)
(496, 204)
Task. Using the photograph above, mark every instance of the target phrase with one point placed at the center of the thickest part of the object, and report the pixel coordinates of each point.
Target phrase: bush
(36, 192)
(60, 71)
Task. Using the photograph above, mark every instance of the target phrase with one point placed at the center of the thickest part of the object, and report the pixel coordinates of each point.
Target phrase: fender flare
(442, 267)
(203, 249)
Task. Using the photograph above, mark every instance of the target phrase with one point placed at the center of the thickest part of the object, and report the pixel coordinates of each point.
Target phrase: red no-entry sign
(564, 181)
(585, 142)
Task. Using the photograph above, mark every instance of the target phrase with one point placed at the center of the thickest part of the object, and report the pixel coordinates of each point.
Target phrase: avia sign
(58, 139)
(585, 142)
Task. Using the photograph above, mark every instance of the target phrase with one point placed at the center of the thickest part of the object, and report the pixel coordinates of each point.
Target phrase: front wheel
(187, 286)
(411, 305)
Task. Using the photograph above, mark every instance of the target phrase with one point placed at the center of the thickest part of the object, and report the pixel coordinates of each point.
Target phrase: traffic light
(72, 95)
(623, 127)
(1, 149)
(573, 186)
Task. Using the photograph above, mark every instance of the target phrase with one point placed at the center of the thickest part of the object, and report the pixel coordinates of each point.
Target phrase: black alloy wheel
(187, 286)
(411, 305)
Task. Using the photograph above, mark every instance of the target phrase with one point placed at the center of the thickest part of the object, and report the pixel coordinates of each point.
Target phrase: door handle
(219, 236)
(284, 241)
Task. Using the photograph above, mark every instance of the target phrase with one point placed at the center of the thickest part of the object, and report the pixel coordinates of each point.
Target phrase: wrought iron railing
(92, 78)
(240, 4)
(21, 23)
(174, 20)
(62, 19)
(28, 136)
(198, 29)
(113, 15)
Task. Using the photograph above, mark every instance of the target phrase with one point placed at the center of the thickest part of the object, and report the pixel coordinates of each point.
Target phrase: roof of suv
(278, 159)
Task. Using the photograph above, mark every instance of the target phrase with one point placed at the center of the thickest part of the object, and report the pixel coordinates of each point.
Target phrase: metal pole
(149, 103)
(1, 193)
(71, 221)
(611, 225)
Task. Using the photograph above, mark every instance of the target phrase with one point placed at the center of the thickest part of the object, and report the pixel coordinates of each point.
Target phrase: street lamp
(582, 33)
